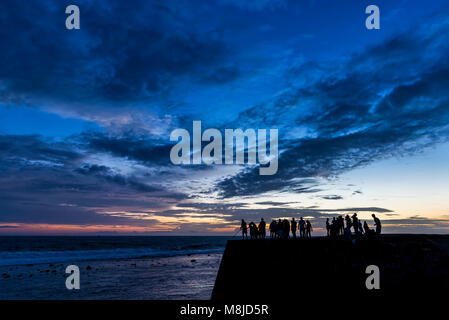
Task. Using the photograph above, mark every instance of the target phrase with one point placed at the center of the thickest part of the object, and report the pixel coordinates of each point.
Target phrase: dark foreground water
(111, 267)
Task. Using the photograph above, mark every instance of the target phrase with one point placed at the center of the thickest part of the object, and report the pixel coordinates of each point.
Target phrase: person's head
(243, 220)
(293, 219)
(261, 219)
(301, 218)
(373, 215)
(355, 214)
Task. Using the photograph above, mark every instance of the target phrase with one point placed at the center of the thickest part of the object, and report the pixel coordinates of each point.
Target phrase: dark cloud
(108, 175)
(423, 224)
(16, 148)
(236, 211)
(332, 197)
(273, 203)
(373, 209)
(128, 146)
(122, 53)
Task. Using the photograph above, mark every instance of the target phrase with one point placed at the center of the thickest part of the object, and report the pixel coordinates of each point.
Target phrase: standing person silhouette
(262, 228)
(377, 224)
(355, 223)
(308, 229)
(348, 227)
(272, 228)
(341, 225)
(328, 226)
(334, 227)
(279, 229)
(302, 229)
(286, 228)
(294, 225)
(244, 229)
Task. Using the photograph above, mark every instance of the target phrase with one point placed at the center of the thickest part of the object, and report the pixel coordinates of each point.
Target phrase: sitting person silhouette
(368, 231)
(360, 227)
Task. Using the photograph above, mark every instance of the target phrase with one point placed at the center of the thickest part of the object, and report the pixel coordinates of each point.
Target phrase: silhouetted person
(294, 224)
(252, 230)
(328, 227)
(348, 227)
(302, 227)
(377, 224)
(308, 229)
(272, 228)
(262, 228)
(360, 227)
(348, 221)
(244, 229)
(355, 223)
(279, 229)
(341, 225)
(334, 227)
(367, 229)
(286, 228)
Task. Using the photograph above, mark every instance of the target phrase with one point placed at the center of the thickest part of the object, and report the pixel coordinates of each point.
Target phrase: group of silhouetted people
(339, 226)
(343, 226)
(279, 229)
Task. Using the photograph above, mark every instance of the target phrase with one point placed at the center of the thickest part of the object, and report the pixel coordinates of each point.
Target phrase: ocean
(111, 267)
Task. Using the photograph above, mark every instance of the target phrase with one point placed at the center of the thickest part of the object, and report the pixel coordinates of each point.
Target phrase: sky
(86, 115)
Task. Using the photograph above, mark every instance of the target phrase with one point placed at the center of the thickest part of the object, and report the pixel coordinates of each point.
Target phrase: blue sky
(86, 115)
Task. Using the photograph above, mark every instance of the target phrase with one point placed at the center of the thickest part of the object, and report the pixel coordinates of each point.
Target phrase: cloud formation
(388, 100)
(139, 71)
